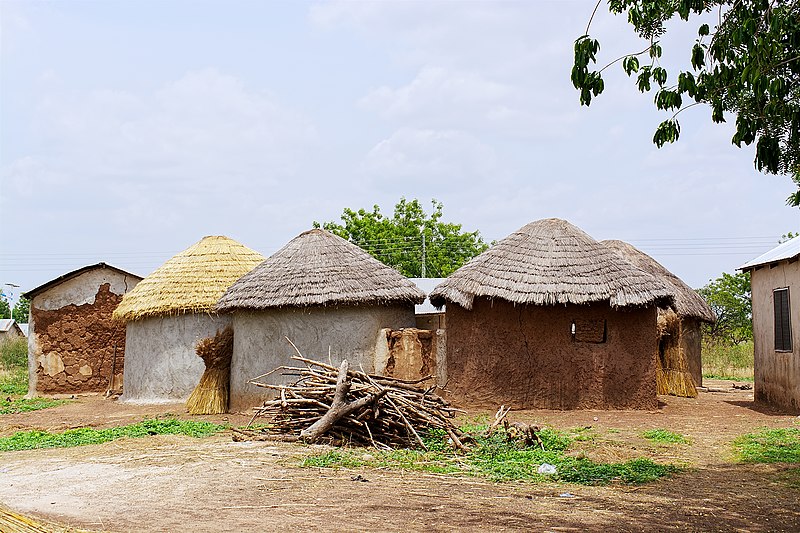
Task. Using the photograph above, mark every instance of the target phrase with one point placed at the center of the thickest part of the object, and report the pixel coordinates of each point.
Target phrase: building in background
(74, 345)
(775, 290)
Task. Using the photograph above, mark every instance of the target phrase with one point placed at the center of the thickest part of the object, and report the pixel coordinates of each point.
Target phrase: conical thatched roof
(687, 303)
(319, 268)
(551, 262)
(190, 282)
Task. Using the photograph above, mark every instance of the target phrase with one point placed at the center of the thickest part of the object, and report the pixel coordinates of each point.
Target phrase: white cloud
(436, 158)
(435, 89)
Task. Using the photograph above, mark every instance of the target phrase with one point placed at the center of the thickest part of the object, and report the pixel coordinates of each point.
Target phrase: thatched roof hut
(190, 282)
(319, 268)
(686, 302)
(550, 262)
(327, 295)
(680, 333)
(173, 308)
(550, 318)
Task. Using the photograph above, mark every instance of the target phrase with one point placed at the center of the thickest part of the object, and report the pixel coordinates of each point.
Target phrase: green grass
(14, 382)
(22, 405)
(664, 436)
(14, 353)
(497, 459)
(769, 446)
(29, 440)
(731, 362)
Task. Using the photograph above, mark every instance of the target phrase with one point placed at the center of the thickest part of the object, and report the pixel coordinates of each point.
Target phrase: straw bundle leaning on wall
(210, 397)
(672, 373)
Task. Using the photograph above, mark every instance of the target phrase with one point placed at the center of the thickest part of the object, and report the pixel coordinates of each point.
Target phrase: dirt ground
(169, 483)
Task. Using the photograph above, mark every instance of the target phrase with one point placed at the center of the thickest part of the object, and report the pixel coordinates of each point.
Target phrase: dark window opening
(783, 324)
(589, 330)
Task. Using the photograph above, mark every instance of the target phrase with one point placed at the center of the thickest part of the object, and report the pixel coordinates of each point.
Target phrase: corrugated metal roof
(426, 285)
(788, 250)
(69, 275)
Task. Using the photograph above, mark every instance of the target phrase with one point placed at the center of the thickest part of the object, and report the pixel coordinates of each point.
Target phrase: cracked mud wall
(72, 347)
(528, 357)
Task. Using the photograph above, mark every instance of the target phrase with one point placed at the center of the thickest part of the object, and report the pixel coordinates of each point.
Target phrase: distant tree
(789, 235)
(5, 308)
(416, 244)
(747, 65)
(22, 310)
(729, 298)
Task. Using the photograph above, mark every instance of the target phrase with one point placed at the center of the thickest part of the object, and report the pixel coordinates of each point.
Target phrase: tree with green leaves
(747, 65)
(5, 308)
(413, 242)
(22, 310)
(729, 298)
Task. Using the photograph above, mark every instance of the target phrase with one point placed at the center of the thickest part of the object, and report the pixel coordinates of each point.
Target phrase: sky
(131, 129)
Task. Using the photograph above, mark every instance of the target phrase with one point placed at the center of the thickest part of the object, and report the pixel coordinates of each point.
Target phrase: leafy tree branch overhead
(414, 243)
(747, 65)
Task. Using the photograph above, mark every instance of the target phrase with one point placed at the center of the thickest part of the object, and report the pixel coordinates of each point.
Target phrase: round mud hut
(680, 368)
(325, 294)
(170, 310)
(550, 318)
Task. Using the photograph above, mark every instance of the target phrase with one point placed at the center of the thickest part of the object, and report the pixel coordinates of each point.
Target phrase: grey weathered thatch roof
(319, 268)
(550, 262)
(687, 303)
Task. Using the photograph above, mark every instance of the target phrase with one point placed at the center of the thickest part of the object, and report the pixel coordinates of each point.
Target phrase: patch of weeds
(14, 382)
(497, 459)
(664, 436)
(14, 353)
(24, 406)
(583, 434)
(28, 440)
(726, 377)
(769, 446)
(790, 478)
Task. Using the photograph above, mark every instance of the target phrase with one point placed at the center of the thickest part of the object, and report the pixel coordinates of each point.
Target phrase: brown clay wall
(527, 357)
(76, 345)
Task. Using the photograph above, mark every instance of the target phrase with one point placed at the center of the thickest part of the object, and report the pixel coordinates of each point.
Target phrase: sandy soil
(168, 483)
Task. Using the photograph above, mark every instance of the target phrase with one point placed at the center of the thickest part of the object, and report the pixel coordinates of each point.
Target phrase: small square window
(783, 324)
(589, 330)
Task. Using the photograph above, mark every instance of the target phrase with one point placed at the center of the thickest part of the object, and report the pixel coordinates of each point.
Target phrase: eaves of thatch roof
(551, 262)
(687, 303)
(190, 282)
(318, 268)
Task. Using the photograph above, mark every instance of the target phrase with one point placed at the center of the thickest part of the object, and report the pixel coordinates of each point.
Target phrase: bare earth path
(167, 483)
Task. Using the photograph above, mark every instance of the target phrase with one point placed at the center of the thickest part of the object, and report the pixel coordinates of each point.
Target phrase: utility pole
(423, 253)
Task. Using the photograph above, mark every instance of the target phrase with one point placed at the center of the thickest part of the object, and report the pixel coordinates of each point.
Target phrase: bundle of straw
(672, 373)
(210, 397)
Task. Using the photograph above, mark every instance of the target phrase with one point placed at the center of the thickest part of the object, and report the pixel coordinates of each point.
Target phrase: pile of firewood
(344, 406)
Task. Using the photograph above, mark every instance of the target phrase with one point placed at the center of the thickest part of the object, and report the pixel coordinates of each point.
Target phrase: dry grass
(552, 262)
(211, 395)
(190, 282)
(724, 361)
(319, 268)
(672, 373)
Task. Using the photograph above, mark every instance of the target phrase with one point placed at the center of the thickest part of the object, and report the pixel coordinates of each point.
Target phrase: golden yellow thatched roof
(190, 282)
(551, 262)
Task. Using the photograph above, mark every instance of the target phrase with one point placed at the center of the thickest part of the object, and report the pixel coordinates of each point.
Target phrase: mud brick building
(74, 345)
